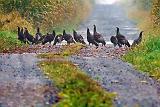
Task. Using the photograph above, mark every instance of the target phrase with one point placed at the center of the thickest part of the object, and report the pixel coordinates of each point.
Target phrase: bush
(48, 14)
(9, 22)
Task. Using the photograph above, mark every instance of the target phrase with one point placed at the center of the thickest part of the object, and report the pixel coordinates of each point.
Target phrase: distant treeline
(47, 14)
(140, 4)
(152, 6)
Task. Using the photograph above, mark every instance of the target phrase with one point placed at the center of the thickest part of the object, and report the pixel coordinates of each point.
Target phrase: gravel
(132, 87)
(22, 84)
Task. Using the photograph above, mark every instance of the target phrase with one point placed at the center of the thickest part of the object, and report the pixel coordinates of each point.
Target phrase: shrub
(48, 14)
(12, 20)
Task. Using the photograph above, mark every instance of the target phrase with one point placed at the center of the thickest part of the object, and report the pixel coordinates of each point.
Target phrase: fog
(106, 1)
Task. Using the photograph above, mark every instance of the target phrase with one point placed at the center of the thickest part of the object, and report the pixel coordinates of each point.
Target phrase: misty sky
(106, 1)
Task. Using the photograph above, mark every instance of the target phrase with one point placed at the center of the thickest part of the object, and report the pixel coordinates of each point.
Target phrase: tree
(156, 12)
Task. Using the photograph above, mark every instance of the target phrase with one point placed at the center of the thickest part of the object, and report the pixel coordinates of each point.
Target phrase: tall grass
(145, 57)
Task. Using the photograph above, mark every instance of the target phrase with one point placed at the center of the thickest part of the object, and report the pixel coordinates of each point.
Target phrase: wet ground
(133, 88)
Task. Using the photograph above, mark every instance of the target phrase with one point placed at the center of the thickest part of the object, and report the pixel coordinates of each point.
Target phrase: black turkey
(98, 37)
(138, 40)
(114, 40)
(28, 36)
(21, 36)
(78, 38)
(90, 38)
(121, 39)
(58, 39)
(49, 38)
(38, 35)
(68, 37)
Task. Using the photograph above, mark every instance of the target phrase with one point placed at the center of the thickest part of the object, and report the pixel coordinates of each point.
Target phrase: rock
(115, 81)
(76, 64)
(145, 82)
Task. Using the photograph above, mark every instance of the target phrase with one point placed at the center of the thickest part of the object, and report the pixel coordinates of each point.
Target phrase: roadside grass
(8, 40)
(76, 88)
(146, 57)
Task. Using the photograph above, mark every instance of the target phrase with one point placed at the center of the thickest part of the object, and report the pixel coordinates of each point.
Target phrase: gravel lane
(133, 88)
(103, 64)
(22, 84)
(107, 18)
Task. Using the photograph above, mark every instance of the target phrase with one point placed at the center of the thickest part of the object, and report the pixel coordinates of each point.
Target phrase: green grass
(146, 57)
(76, 88)
(8, 40)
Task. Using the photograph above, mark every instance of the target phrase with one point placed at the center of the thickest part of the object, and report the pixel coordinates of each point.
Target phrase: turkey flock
(95, 39)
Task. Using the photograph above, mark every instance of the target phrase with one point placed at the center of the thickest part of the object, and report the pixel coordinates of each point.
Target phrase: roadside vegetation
(76, 88)
(145, 57)
(46, 14)
(8, 40)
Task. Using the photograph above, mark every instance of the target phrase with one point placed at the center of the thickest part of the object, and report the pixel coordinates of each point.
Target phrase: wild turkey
(42, 38)
(114, 40)
(78, 38)
(49, 38)
(138, 40)
(38, 35)
(58, 39)
(90, 38)
(121, 39)
(28, 36)
(67, 37)
(98, 37)
(21, 36)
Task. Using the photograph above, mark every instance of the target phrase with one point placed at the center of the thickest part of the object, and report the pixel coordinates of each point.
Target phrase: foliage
(77, 89)
(12, 20)
(156, 12)
(144, 4)
(47, 14)
(8, 40)
(140, 4)
(153, 6)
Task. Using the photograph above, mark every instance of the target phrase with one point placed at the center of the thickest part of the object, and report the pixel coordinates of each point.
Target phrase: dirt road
(134, 89)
